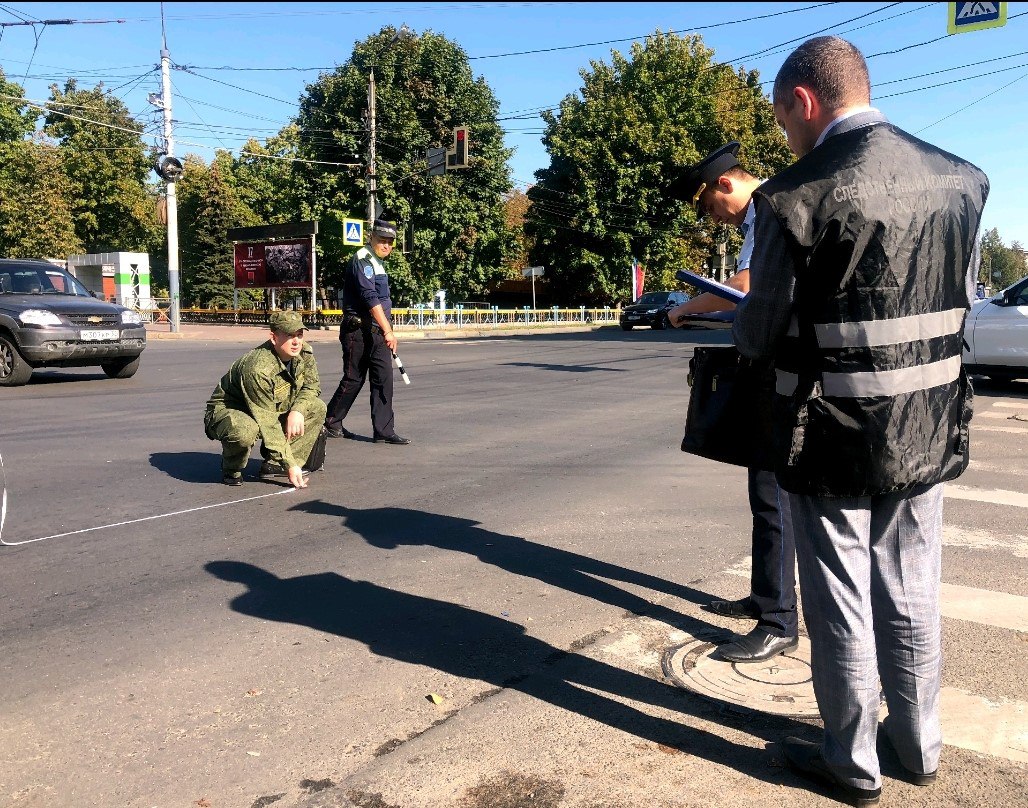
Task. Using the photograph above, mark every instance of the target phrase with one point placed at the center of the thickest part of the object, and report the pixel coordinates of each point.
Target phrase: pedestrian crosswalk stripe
(973, 539)
(997, 497)
(1008, 429)
(1013, 405)
(984, 607)
(996, 468)
(1007, 415)
(979, 725)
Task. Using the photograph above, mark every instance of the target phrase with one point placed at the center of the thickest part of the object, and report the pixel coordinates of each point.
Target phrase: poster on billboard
(267, 264)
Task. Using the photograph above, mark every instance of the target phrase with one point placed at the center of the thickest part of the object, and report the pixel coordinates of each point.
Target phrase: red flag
(638, 277)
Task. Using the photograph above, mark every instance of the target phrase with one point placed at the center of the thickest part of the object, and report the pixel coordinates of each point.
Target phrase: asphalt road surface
(168, 641)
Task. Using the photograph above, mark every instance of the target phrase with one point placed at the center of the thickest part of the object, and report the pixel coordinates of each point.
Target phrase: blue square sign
(975, 16)
(353, 232)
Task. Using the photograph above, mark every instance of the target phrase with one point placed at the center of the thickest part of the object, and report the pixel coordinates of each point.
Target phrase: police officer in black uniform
(721, 190)
(366, 334)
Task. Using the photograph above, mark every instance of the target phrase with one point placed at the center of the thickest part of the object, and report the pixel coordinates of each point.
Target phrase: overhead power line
(58, 22)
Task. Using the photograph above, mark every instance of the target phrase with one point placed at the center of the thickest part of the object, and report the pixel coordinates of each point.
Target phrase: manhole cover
(780, 686)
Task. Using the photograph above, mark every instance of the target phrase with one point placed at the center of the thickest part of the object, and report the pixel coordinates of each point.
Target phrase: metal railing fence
(412, 318)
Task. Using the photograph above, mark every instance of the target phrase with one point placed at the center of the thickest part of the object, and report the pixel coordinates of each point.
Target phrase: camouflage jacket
(261, 384)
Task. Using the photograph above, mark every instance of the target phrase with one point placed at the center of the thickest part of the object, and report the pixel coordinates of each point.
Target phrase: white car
(996, 335)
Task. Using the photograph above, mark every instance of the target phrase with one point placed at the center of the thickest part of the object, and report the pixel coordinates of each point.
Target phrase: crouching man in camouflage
(273, 393)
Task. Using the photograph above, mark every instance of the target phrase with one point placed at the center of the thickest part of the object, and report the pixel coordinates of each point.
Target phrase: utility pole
(169, 146)
(372, 178)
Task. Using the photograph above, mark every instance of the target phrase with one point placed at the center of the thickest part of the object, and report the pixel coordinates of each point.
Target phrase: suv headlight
(39, 317)
(131, 317)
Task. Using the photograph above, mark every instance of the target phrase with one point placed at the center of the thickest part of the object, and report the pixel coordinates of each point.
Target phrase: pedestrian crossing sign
(353, 232)
(975, 16)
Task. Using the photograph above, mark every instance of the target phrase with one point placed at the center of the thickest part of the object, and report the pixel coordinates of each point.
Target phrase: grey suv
(49, 319)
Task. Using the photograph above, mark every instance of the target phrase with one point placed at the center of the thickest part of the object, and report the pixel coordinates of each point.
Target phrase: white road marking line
(1014, 405)
(741, 567)
(1008, 429)
(996, 468)
(147, 518)
(974, 723)
(1005, 415)
(997, 497)
(984, 607)
(983, 540)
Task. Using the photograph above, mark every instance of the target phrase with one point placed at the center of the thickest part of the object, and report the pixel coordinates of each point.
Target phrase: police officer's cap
(286, 322)
(383, 228)
(707, 170)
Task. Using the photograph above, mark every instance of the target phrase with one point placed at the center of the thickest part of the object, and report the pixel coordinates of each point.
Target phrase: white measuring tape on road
(3, 514)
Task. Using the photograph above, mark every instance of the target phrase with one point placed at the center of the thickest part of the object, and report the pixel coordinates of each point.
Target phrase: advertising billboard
(281, 264)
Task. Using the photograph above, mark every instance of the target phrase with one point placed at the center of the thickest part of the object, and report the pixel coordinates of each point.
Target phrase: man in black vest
(367, 338)
(864, 265)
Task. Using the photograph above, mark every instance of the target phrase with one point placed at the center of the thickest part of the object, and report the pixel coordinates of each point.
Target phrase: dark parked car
(49, 319)
(651, 309)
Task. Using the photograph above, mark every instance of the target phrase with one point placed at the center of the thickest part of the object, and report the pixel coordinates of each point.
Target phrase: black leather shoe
(909, 775)
(757, 646)
(232, 479)
(742, 609)
(271, 470)
(805, 758)
(396, 440)
(341, 432)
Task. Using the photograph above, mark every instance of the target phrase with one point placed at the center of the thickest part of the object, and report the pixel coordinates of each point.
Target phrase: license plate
(98, 335)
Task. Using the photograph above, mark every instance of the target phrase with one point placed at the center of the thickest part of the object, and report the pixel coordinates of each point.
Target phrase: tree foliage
(36, 218)
(17, 119)
(209, 205)
(619, 144)
(424, 88)
(1001, 266)
(108, 166)
(515, 211)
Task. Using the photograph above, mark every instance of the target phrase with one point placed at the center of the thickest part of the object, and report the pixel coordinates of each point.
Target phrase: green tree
(108, 166)
(425, 88)
(1001, 266)
(208, 207)
(17, 119)
(265, 180)
(35, 215)
(619, 144)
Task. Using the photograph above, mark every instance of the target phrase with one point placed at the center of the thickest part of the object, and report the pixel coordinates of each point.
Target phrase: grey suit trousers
(870, 573)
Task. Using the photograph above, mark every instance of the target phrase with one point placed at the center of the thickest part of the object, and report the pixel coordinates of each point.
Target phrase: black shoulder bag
(729, 417)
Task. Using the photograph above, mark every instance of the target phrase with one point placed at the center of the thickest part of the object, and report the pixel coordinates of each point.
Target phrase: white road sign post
(533, 271)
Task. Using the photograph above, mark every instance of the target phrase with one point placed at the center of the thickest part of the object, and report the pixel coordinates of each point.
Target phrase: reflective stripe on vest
(878, 383)
(889, 332)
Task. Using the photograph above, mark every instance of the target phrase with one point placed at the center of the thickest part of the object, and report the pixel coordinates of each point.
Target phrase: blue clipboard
(708, 285)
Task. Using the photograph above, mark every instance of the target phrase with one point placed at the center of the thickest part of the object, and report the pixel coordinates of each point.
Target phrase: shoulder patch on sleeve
(369, 271)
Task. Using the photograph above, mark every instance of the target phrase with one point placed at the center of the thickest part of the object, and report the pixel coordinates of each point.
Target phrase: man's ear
(808, 102)
(725, 184)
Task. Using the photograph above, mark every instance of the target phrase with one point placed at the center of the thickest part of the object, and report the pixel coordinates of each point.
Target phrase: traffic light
(457, 157)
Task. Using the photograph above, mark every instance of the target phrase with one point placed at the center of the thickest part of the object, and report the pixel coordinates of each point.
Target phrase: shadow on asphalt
(62, 376)
(473, 645)
(565, 368)
(1007, 389)
(190, 467)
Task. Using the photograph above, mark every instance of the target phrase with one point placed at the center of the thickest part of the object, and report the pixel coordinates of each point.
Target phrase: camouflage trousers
(238, 432)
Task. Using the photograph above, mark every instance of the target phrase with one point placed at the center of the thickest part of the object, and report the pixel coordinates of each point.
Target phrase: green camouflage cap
(286, 322)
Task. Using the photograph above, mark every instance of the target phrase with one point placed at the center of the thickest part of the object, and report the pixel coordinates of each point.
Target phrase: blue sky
(980, 112)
